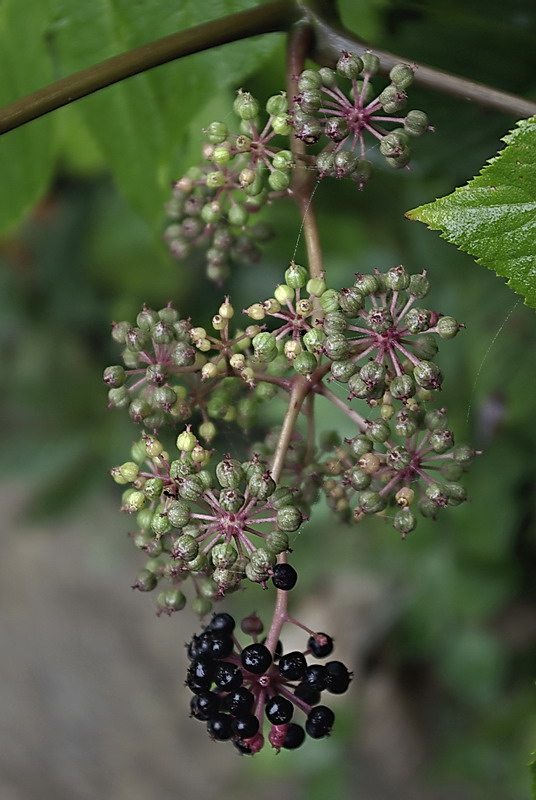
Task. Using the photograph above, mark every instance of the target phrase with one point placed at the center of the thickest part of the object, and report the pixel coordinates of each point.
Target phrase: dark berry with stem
(319, 722)
(294, 737)
(245, 726)
(227, 677)
(279, 710)
(239, 702)
(284, 577)
(220, 727)
(204, 705)
(337, 677)
(256, 658)
(292, 665)
(223, 623)
(320, 645)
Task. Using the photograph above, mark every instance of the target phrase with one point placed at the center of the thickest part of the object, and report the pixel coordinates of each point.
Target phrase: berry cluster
(189, 525)
(241, 173)
(172, 368)
(238, 690)
(323, 109)
(400, 461)
(377, 319)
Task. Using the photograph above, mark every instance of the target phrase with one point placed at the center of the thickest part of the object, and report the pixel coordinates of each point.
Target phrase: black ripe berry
(315, 677)
(219, 727)
(200, 674)
(294, 736)
(337, 677)
(222, 623)
(221, 646)
(245, 726)
(279, 710)
(204, 705)
(227, 676)
(308, 695)
(239, 702)
(320, 645)
(292, 666)
(319, 722)
(256, 658)
(284, 577)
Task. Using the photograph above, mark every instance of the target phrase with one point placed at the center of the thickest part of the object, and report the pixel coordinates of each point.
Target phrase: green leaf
(26, 155)
(139, 124)
(493, 217)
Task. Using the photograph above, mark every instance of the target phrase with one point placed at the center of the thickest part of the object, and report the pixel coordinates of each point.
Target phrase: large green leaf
(493, 217)
(138, 124)
(26, 155)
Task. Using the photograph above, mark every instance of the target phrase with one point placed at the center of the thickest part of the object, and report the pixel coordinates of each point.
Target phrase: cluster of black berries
(212, 204)
(323, 109)
(237, 691)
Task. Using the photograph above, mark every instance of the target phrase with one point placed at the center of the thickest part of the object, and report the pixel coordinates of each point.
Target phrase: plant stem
(332, 397)
(269, 18)
(328, 41)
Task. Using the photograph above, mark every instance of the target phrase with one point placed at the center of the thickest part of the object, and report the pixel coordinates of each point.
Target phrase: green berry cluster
(399, 462)
(323, 109)
(217, 527)
(299, 335)
(212, 204)
(377, 321)
(173, 370)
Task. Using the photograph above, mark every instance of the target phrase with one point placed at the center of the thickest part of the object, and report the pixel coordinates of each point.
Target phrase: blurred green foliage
(84, 257)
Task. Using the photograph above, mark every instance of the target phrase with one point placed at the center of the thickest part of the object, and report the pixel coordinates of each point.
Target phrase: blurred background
(439, 629)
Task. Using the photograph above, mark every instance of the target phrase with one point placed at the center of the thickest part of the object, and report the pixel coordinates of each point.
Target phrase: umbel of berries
(250, 694)
(322, 110)
(214, 204)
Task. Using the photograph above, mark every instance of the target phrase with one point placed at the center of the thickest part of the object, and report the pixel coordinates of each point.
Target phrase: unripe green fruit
(343, 370)
(463, 454)
(397, 278)
(428, 375)
(160, 524)
(201, 606)
(419, 286)
(405, 424)
(229, 473)
(336, 346)
(359, 480)
(309, 79)
(402, 75)
(289, 519)
(277, 104)
(305, 363)
(392, 100)
(349, 65)
(357, 386)
(441, 440)
(398, 457)
(154, 547)
(316, 286)
(231, 500)
(146, 581)
(238, 215)
(181, 468)
(265, 346)
(451, 471)
(223, 555)
(436, 493)
(366, 284)
(279, 180)
(277, 542)
(255, 575)
(335, 322)
(215, 180)
(447, 327)
(296, 276)
(416, 123)
(393, 146)
(308, 130)
(328, 77)
(310, 100)
(373, 374)
(378, 430)
(283, 160)
(143, 518)
(360, 445)
(325, 163)
(337, 129)
(153, 488)
(281, 497)
(404, 521)
(350, 300)
(262, 559)
(134, 502)
(456, 493)
(371, 502)
(402, 387)
(211, 212)
(185, 547)
(190, 488)
(114, 376)
(171, 600)
(425, 346)
(261, 485)
(313, 340)
(281, 125)
(380, 320)
(217, 132)
(245, 106)
(178, 513)
(418, 319)
(371, 63)
(330, 300)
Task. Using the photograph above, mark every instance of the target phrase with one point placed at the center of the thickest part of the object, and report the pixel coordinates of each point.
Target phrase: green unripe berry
(404, 521)
(402, 387)
(330, 301)
(313, 340)
(349, 65)
(393, 146)
(146, 581)
(277, 104)
(283, 294)
(441, 440)
(405, 424)
(178, 513)
(265, 346)
(335, 322)
(308, 130)
(402, 75)
(463, 454)
(357, 386)
(417, 320)
(207, 431)
(281, 497)
(351, 301)
(371, 63)
(447, 327)
(211, 212)
(295, 276)
(153, 488)
(229, 473)
(456, 493)
(428, 375)
(328, 77)
(119, 331)
(416, 123)
(231, 500)
(360, 445)
(171, 600)
(362, 172)
(283, 160)
(163, 397)
(398, 457)
(373, 374)
(129, 471)
(215, 180)
(325, 163)
(160, 524)
(310, 100)
(201, 606)
(223, 555)
(217, 132)
(277, 542)
(425, 347)
(344, 163)
(378, 430)
(436, 493)
(190, 487)
(337, 129)
(289, 519)
(371, 502)
(336, 346)
(134, 502)
(397, 278)
(366, 284)
(238, 215)
(392, 100)
(185, 547)
(279, 180)
(281, 125)
(245, 106)
(309, 79)
(114, 376)
(255, 575)
(343, 370)
(380, 319)
(359, 480)
(305, 363)
(419, 286)
(262, 559)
